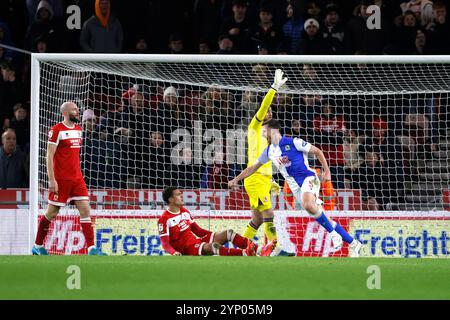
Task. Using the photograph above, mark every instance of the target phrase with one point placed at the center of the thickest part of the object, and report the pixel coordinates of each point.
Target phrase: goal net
(155, 121)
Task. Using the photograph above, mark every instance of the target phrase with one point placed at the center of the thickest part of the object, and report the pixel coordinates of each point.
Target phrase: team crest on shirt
(304, 143)
(50, 134)
(287, 148)
(160, 227)
(265, 199)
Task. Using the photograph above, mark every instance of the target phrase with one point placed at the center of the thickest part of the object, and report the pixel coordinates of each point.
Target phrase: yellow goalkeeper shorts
(258, 190)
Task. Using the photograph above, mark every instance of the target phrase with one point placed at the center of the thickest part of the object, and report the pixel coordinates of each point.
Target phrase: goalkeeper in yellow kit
(259, 185)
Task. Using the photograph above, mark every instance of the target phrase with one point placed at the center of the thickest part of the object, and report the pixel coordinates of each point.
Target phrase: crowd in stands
(357, 155)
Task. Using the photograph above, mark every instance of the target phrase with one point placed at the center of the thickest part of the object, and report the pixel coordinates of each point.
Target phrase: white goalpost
(150, 121)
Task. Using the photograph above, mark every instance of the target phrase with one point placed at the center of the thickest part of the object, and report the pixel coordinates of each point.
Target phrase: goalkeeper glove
(278, 80)
(275, 188)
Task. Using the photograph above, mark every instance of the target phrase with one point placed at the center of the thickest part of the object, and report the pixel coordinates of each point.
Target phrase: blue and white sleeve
(302, 145)
(264, 157)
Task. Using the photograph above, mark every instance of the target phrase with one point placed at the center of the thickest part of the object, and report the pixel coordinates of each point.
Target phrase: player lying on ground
(290, 156)
(181, 235)
(65, 180)
(259, 185)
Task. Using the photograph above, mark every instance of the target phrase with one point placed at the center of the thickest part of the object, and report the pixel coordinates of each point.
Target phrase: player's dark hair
(273, 124)
(168, 193)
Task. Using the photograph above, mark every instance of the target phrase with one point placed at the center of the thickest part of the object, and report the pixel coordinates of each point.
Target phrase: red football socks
(43, 227)
(88, 231)
(230, 252)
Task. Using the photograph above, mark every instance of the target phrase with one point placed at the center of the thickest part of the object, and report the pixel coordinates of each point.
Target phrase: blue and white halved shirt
(290, 157)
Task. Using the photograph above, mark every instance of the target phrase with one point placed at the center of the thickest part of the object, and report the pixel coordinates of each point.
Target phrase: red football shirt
(66, 162)
(178, 227)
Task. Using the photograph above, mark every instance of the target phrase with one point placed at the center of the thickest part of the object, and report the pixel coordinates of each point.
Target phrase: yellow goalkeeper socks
(269, 229)
(250, 231)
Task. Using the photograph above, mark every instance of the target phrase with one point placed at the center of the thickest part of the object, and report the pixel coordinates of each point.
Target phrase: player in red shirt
(181, 235)
(65, 180)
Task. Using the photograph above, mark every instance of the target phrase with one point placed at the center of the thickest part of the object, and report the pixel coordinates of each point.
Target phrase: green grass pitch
(166, 277)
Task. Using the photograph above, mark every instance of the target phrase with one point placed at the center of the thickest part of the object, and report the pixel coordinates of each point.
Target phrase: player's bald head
(66, 106)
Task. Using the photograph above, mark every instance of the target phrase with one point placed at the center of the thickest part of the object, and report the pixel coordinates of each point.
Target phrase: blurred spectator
(111, 120)
(134, 182)
(41, 45)
(371, 179)
(371, 204)
(298, 129)
(419, 128)
(90, 148)
(184, 171)
(171, 113)
(309, 109)
(89, 124)
(330, 129)
(265, 34)
(333, 29)
(310, 73)
(262, 49)
(217, 174)
(14, 14)
(176, 45)
(420, 44)
(5, 38)
(12, 163)
(282, 107)
(73, 87)
(278, 9)
(390, 154)
(351, 147)
(312, 40)
(359, 38)
(236, 26)
(294, 26)
(11, 91)
(45, 25)
(20, 123)
(404, 36)
(57, 7)
(438, 30)
(251, 12)
(390, 10)
(225, 45)
(313, 10)
(206, 18)
(3, 57)
(423, 9)
(217, 111)
(155, 162)
(141, 45)
(105, 156)
(381, 141)
(135, 117)
(102, 33)
(204, 47)
(118, 165)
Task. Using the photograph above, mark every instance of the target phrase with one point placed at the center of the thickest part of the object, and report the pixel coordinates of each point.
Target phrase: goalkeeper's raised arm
(262, 112)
